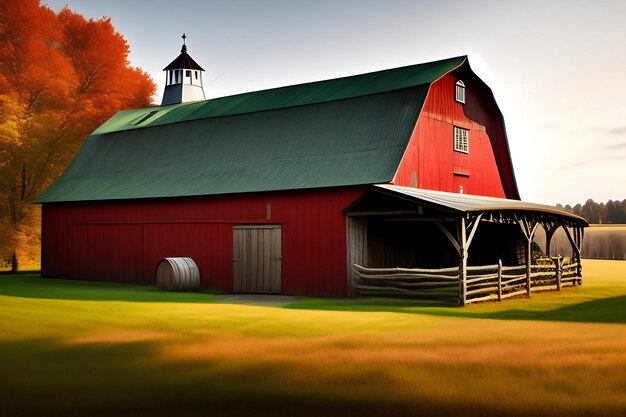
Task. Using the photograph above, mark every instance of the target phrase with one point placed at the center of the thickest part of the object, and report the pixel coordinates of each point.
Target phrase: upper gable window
(460, 92)
(461, 140)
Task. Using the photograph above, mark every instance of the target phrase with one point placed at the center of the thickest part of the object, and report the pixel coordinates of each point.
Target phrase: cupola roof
(183, 61)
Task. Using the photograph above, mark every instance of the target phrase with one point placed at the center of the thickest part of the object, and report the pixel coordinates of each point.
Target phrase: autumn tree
(61, 76)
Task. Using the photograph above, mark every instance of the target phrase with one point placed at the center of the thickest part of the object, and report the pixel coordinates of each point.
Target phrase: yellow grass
(105, 357)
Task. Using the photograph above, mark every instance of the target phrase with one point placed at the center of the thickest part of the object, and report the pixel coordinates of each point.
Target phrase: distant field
(600, 242)
(102, 349)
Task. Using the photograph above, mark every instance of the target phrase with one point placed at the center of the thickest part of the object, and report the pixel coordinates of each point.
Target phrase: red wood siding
(431, 154)
(123, 241)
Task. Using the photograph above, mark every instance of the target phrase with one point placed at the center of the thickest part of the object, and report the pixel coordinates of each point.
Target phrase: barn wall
(430, 161)
(123, 241)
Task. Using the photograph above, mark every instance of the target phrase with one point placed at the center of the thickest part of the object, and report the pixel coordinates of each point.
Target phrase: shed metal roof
(465, 203)
(346, 131)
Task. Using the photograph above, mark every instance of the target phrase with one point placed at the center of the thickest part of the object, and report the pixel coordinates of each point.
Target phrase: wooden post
(548, 242)
(528, 263)
(356, 240)
(576, 252)
(575, 249)
(557, 265)
(464, 242)
(579, 272)
(499, 279)
(580, 251)
(462, 239)
(528, 233)
(550, 228)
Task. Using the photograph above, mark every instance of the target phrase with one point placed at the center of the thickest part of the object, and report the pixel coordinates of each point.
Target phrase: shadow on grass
(604, 310)
(132, 379)
(31, 285)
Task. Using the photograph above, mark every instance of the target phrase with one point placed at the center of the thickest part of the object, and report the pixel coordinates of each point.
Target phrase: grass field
(74, 348)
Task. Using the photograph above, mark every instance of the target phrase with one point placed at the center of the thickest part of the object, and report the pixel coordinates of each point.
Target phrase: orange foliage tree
(61, 76)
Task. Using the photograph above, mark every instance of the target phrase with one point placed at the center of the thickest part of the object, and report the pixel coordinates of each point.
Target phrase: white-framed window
(461, 140)
(460, 91)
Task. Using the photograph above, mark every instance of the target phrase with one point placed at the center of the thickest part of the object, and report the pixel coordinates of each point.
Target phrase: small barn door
(256, 259)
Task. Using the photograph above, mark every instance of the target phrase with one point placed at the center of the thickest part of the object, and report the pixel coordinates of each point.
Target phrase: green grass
(601, 299)
(99, 349)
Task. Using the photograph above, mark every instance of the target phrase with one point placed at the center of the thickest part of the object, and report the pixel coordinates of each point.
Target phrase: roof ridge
(314, 92)
(346, 77)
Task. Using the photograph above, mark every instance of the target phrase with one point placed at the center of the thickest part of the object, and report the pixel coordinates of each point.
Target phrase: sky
(555, 67)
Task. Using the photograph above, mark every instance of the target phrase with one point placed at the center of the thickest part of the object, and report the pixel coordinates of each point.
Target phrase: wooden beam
(571, 240)
(449, 236)
(523, 224)
(356, 241)
(499, 279)
(420, 219)
(579, 240)
(529, 248)
(582, 238)
(550, 228)
(381, 213)
(473, 227)
(529, 233)
(558, 262)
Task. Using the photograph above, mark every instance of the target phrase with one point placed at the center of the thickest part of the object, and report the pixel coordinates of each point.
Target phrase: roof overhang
(465, 204)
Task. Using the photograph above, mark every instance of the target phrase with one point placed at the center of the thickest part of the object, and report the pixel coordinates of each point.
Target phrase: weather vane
(184, 37)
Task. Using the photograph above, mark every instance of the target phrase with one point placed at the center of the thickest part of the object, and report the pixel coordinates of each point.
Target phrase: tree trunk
(14, 264)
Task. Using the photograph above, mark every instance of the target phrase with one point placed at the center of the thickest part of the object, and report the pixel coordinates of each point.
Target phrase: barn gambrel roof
(340, 132)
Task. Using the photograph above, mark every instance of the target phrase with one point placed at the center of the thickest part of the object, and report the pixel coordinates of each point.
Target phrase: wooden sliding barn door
(257, 259)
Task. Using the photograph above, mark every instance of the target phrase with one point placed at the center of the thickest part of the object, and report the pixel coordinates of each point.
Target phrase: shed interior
(405, 241)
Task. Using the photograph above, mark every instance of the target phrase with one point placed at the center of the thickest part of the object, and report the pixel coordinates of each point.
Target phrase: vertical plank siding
(430, 160)
(124, 240)
(357, 248)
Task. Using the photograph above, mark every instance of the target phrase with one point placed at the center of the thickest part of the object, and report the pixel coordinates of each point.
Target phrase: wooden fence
(483, 283)
(428, 284)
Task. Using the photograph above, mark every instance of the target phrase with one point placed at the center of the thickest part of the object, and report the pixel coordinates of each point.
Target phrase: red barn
(276, 191)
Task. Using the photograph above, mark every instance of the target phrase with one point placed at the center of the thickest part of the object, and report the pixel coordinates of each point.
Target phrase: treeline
(61, 76)
(611, 212)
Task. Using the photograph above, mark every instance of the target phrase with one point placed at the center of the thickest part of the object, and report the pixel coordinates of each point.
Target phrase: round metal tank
(177, 274)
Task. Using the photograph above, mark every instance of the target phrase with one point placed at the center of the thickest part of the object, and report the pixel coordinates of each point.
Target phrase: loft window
(188, 74)
(461, 140)
(196, 72)
(460, 91)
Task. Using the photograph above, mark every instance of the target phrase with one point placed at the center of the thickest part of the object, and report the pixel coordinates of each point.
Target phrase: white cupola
(183, 79)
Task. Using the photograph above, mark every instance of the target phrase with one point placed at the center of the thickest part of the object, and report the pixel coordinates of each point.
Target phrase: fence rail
(482, 283)
(437, 284)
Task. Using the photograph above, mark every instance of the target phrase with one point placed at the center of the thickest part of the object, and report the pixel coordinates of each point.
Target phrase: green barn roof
(345, 131)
